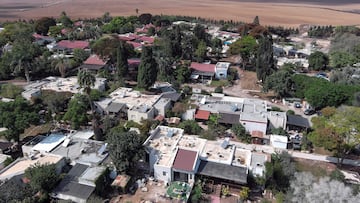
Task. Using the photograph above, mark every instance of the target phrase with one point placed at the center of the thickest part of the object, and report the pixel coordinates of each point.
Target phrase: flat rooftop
(20, 165)
(133, 98)
(82, 151)
(69, 84)
(164, 140)
(191, 142)
(242, 157)
(214, 152)
(49, 142)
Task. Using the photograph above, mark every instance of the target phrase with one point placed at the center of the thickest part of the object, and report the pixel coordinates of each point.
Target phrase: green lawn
(221, 83)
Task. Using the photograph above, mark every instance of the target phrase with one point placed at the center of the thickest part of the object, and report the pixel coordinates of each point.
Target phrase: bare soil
(275, 12)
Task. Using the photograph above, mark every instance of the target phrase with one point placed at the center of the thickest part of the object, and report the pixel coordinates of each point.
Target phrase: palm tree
(62, 65)
(86, 80)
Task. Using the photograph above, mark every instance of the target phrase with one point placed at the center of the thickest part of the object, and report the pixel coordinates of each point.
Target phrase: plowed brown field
(272, 12)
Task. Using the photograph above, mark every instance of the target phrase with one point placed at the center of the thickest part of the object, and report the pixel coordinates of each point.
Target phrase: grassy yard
(318, 169)
(219, 83)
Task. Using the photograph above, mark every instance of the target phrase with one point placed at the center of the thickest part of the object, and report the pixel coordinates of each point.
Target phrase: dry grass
(248, 81)
(317, 168)
(275, 12)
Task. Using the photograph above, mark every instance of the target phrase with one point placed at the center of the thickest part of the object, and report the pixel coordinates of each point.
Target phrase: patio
(179, 190)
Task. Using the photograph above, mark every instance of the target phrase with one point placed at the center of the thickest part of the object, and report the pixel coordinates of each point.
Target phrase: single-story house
(78, 184)
(68, 46)
(229, 118)
(201, 71)
(94, 63)
(258, 137)
(296, 122)
(223, 172)
(221, 69)
(202, 115)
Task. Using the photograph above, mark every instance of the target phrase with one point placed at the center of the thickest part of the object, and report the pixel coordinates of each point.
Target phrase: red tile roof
(135, 44)
(257, 133)
(159, 117)
(134, 61)
(94, 60)
(185, 160)
(203, 67)
(203, 115)
(37, 36)
(77, 44)
(146, 39)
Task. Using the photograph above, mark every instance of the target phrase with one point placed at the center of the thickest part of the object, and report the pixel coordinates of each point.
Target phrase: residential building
(279, 141)
(202, 72)
(258, 161)
(141, 112)
(162, 105)
(78, 184)
(174, 156)
(277, 119)
(68, 46)
(221, 69)
(19, 166)
(296, 122)
(94, 63)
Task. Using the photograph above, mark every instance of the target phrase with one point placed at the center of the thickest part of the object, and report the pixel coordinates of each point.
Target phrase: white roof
(86, 134)
(49, 143)
(278, 138)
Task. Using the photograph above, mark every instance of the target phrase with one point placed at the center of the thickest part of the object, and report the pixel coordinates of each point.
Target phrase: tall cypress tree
(147, 72)
(265, 63)
(121, 61)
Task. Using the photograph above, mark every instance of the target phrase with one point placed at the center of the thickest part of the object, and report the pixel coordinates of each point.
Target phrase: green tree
(10, 91)
(218, 89)
(23, 54)
(147, 72)
(342, 59)
(279, 171)
(42, 25)
(80, 55)
(239, 131)
(145, 18)
(244, 193)
(86, 80)
(265, 64)
(17, 116)
(76, 112)
(121, 61)
(256, 20)
(65, 20)
(246, 47)
(318, 61)
(62, 65)
(125, 148)
(200, 52)
(190, 127)
(43, 178)
(280, 82)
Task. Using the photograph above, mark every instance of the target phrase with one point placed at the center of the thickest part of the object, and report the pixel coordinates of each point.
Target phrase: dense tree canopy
(265, 64)
(338, 131)
(147, 72)
(280, 82)
(43, 24)
(125, 148)
(17, 116)
(42, 177)
(246, 47)
(318, 61)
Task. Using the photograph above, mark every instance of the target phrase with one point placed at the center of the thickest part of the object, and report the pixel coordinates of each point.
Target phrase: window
(164, 173)
(191, 176)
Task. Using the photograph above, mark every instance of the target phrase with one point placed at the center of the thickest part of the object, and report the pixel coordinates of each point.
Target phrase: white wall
(162, 173)
(252, 126)
(138, 116)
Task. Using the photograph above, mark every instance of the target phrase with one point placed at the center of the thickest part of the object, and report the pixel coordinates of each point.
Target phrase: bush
(10, 91)
(290, 112)
(218, 89)
(190, 127)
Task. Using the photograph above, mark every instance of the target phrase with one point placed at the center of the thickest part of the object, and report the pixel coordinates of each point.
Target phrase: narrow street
(296, 154)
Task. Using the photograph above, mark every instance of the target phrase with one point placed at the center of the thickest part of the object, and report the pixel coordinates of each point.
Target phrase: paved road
(315, 157)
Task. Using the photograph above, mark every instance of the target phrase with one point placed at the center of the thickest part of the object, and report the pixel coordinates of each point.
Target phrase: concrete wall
(162, 106)
(139, 116)
(252, 126)
(163, 173)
